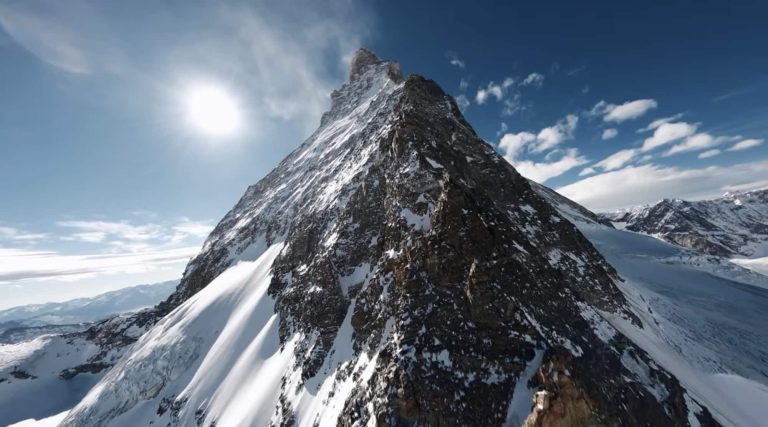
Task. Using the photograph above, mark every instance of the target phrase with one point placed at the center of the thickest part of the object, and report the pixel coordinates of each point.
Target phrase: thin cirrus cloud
(636, 185)
(698, 142)
(13, 234)
(46, 39)
(20, 265)
(617, 159)
(454, 59)
(286, 73)
(658, 122)
(125, 235)
(533, 79)
(111, 247)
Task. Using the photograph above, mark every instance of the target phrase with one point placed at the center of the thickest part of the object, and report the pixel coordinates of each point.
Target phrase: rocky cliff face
(392, 270)
(733, 225)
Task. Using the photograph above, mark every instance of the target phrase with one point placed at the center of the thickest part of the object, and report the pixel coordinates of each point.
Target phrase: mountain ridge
(735, 224)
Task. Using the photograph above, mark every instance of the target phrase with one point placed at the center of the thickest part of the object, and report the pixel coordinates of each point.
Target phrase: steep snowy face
(395, 270)
(735, 224)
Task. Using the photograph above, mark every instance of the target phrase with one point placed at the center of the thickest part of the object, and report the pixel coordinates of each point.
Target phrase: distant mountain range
(735, 225)
(29, 321)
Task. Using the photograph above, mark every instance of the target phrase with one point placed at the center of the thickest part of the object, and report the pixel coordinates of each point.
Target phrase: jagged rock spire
(365, 58)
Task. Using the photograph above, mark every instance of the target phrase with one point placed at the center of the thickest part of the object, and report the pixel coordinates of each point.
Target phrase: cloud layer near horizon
(637, 185)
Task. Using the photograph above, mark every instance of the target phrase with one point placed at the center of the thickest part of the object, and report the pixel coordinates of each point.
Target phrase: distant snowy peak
(89, 309)
(733, 225)
(392, 270)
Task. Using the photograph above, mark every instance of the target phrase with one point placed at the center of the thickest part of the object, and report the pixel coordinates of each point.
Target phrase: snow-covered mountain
(733, 225)
(394, 269)
(703, 317)
(29, 321)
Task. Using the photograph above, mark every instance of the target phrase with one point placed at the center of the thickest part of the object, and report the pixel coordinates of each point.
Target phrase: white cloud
(587, 171)
(551, 136)
(492, 89)
(699, 141)
(18, 265)
(126, 236)
(626, 111)
(463, 84)
(609, 134)
(121, 230)
(669, 132)
(617, 159)
(635, 185)
(658, 122)
(498, 91)
(14, 234)
(512, 144)
(533, 79)
(745, 144)
(709, 153)
(542, 171)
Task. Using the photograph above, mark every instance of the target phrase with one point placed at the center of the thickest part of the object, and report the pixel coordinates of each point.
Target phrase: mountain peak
(365, 58)
(381, 274)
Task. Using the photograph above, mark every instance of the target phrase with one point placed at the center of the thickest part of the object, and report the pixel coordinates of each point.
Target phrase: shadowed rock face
(400, 224)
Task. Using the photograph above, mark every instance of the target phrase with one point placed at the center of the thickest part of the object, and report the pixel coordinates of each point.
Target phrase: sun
(211, 110)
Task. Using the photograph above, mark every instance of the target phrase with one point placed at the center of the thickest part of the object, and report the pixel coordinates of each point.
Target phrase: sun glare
(212, 110)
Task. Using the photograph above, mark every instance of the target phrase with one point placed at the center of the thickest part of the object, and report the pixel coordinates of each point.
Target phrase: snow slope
(220, 348)
(704, 319)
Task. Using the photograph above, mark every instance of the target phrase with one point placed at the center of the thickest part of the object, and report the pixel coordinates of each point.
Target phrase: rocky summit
(392, 270)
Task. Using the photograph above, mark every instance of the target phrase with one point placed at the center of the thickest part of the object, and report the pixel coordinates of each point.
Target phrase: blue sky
(105, 184)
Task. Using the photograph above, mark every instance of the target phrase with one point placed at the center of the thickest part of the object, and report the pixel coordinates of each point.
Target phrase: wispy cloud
(658, 122)
(44, 38)
(617, 159)
(698, 142)
(746, 144)
(23, 265)
(12, 234)
(635, 185)
(533, 79)
(454, 59)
